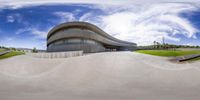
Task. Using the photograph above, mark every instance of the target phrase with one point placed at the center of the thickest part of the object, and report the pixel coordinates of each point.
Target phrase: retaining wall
(187, 57)
(51, 55)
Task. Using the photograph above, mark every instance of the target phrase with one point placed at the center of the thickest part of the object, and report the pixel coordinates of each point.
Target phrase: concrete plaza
(100, 76)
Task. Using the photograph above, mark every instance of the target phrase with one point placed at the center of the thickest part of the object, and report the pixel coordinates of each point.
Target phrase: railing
(51, 55)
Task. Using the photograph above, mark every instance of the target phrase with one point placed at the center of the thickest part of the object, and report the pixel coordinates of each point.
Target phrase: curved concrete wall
(83, 31)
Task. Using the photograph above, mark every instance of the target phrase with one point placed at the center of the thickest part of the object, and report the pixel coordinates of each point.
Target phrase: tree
(14, 49)
(155, 45)
(34, 50)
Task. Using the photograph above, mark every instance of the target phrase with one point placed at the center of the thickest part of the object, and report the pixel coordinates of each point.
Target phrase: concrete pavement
(100, 76)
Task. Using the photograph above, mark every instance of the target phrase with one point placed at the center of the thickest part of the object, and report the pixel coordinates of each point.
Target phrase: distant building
(26, 50)
(74, 36)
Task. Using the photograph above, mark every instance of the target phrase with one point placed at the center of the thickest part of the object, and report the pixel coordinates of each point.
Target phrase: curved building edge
(84, 36)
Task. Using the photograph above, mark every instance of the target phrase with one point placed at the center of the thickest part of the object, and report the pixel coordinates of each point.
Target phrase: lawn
(10, 54)
(169, 53)
(1, 50)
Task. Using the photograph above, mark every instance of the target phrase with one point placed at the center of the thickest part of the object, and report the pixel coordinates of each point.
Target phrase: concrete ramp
(100, 76)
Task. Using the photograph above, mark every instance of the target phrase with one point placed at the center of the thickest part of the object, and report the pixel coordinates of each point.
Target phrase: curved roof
(85, 25)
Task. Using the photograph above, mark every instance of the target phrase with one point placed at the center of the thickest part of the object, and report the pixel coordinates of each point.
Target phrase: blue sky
(27, 24)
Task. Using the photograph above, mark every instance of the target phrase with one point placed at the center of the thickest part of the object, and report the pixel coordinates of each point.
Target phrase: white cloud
(142, 24)
(20, 31)
(8, 39)
(10, 19)
(15, 4)
(85, 17)
(65, 16)
(14, 17)
(149, 23)
(41, 34)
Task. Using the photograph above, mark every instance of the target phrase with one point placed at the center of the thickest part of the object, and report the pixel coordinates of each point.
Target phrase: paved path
(100, 76)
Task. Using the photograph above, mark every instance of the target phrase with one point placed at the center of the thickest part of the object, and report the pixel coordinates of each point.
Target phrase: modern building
(74, 36)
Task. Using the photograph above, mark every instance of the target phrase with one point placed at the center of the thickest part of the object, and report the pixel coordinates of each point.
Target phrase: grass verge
(11, 54)
(169, 53)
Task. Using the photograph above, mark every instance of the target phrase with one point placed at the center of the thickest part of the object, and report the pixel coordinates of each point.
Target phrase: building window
(74, 41)
(65, 41)
(59, 42)
(90, 41)
(51, 45)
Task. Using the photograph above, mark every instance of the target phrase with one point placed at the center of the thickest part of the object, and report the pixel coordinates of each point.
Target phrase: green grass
(1, 50)
(11, 54)
(169, 53)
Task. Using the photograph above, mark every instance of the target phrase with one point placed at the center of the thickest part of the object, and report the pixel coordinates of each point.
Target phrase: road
(100, 76)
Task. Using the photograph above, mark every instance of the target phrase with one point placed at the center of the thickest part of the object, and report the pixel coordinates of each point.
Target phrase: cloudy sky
(25, 23)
